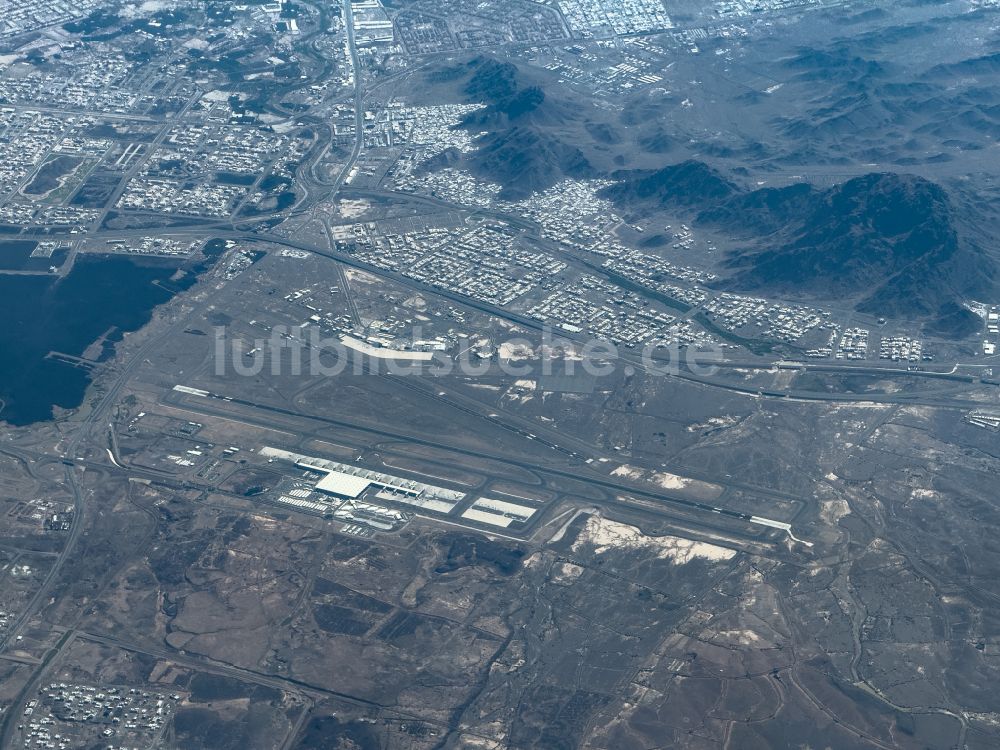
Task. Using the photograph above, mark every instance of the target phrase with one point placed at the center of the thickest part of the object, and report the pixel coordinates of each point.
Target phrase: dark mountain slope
(524, 160)
(690, 183)
(530, 138)
(889, 242)
(491, 80)
(762, 212)
(887, 237)
(976, 66)
(867, 228)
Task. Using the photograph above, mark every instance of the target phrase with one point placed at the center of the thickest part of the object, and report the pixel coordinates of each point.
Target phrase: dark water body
(15, 255)
(40, 314)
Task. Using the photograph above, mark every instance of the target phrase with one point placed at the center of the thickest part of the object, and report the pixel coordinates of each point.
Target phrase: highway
(632, 359)
(226, 230)
(561, 462)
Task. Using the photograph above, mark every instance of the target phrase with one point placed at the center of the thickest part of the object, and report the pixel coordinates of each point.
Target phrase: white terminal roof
(344, 485)
(491, 518)
(504, 508)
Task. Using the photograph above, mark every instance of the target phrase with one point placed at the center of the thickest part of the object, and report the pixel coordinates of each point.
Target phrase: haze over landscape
(505, 375)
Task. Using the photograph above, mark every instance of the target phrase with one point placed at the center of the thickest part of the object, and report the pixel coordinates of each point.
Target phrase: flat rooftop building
(343, 485)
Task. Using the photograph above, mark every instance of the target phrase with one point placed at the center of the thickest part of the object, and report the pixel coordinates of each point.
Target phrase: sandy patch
(831, 511)
(628, 472)
(354, 274)
(714, 423)
(669, 481)
(742, 637)
(351, 209)
(514, 351)
(605, 535)
(566, 573)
